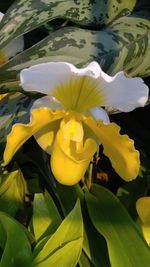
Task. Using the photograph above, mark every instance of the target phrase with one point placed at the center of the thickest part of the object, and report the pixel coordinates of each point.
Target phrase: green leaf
(46, 218)
(128, 193)
(67, 256)
(14, 108)
(97, 254)
(123, 45)
(133, 38)
(84, 260)
(125, 244)
(25, 15)
(16, 246)
(12, 191)
(64, 247)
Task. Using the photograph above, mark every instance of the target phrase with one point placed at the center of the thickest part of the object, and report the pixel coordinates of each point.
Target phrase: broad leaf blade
(25, 15)
(17, 249)
(12, 192)
(46, 218)
(97, 253)
(125, 244)
(66, 256)
(68, 237)
(15, 108)
(124, 45)
(133, 38)
(84, 261)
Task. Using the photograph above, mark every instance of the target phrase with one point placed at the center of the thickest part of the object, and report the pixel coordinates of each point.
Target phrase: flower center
(72, 130)
(79, 93)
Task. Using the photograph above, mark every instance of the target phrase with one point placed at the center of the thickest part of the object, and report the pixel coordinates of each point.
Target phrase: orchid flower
(143, 210)
(69, 123)
(10, 50)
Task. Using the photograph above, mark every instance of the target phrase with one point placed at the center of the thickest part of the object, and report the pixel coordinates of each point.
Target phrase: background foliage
(43, 223)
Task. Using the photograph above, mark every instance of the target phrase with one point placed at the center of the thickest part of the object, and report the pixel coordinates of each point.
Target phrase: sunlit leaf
(25, 15)
(46, 218)
(64, 247)
(66, 256)
(97, 253)
(12, 191)
(123, 45)
(125, 244)
(16, 246)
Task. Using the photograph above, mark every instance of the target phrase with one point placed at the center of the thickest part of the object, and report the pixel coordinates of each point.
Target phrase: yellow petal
(46, 135)
(69, 161)
(143, 210)
(119, 148)
(20, 133)
(72, 130)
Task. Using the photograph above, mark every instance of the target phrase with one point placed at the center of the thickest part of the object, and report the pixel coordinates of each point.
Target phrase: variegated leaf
(26, 15)
(13, 108)
(125, 45)
(134, 46)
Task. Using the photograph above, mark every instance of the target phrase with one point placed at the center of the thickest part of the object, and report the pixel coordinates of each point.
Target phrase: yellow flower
(69, 123)
(143, 210)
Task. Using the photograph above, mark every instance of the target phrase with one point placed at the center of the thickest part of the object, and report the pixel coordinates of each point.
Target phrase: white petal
(93, 70)
(47, 76)
(100, 114)
(123, 93)
(48, 102)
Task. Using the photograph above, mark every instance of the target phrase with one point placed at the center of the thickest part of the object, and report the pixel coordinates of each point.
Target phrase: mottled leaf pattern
(133, 42)
(25, 15)
(14, 108)
(115, 33)
(124, 45)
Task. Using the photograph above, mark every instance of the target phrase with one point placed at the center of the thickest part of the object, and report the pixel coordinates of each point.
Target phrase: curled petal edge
(118, 148)
(20, 133)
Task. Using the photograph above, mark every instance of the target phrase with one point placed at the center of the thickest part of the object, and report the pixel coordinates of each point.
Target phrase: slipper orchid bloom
(69, 123)
(143, 210)
(10, 50)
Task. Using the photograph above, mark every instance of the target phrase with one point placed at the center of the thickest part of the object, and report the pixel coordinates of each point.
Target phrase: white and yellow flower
(68, 122)
(143, 210)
